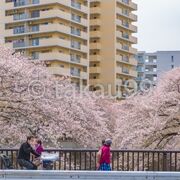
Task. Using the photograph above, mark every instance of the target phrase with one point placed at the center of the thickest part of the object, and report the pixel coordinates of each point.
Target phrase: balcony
(130, 16)
(150, 72)
(133, 17)
(95, 45)
(139, 79)
(53, 42)
(126, 48)
(47, 42)
(45, 29)
(55, 56)
(132, 50)
(95, 34)
(130, 61)
(28, 3)
(95, 10)
(22, 4)
(95, 1)
(131, 73)
(125, 37)
(129, 4)
(95, 58)
(151, 63)
(83, 75)
(94, 82)
(76, 5)
(133, 39)
(118, 70)
(129, 26)
(19, 45)
(95, 70)
(59, 71)
(79, 74)
(140, 69)
(95, 22)
(125, 84)
(54, 13)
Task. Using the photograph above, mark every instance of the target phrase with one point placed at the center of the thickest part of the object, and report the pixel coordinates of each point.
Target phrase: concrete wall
(46, 175)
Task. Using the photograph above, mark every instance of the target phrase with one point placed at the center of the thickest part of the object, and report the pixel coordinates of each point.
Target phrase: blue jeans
(27, 164)
(105, 167)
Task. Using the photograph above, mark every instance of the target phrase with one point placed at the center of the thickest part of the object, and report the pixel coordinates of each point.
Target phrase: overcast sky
(158, 25)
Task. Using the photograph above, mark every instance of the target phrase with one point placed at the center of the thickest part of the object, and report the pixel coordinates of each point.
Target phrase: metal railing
(121, 160)
(81, 175)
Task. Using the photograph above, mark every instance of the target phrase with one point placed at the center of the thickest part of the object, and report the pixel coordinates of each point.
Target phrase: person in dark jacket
(24, 154)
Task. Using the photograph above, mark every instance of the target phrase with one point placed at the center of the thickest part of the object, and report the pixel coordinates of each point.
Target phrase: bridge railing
(88, 175)
(121, 160)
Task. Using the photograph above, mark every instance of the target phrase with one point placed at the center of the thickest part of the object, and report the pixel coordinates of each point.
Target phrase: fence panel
(122, 160)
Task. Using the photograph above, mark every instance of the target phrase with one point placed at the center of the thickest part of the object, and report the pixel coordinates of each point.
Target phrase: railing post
(164, 161)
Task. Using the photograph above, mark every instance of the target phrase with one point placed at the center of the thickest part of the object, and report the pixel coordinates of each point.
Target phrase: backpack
(6, 162)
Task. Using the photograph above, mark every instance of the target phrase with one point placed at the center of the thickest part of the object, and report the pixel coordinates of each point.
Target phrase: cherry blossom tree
(151, 120)
(34, 102)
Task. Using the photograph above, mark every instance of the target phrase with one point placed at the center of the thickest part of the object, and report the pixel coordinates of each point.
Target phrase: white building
(151, 66)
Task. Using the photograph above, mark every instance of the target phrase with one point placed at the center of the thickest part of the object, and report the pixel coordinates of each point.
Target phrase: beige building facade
(55, 31)
(112, 57)
(87, 40)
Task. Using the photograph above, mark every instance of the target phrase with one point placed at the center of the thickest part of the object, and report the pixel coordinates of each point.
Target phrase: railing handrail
(95, 150)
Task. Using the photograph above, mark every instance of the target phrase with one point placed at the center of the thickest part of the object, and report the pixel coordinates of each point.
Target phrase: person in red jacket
(104, 156)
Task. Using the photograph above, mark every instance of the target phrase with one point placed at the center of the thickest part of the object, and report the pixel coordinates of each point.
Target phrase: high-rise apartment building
(55, 31)
(112, 57)
(151, 66)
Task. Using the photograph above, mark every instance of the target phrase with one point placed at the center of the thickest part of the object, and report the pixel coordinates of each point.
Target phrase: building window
(76, 18)
(20, 16)
(35, 14)
(172, 66)
(154, 78)
(19, 43)
(172, 59)
(75, 31)
(75, 4)
(125, 12)
(20, 3)
(75, 58)
(35, 2)
(125, 70)
(35, 55)
(35, 42)
(75, 44)
(75, 71)
(125, 1)
(35, 28)
(19, 30)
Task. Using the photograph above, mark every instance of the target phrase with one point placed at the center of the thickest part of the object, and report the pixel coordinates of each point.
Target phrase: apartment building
(112, 56)
(55, 31)
(151, 66)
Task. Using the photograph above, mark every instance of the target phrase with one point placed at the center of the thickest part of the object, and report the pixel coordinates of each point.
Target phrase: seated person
(24, 154)
(39, 147)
